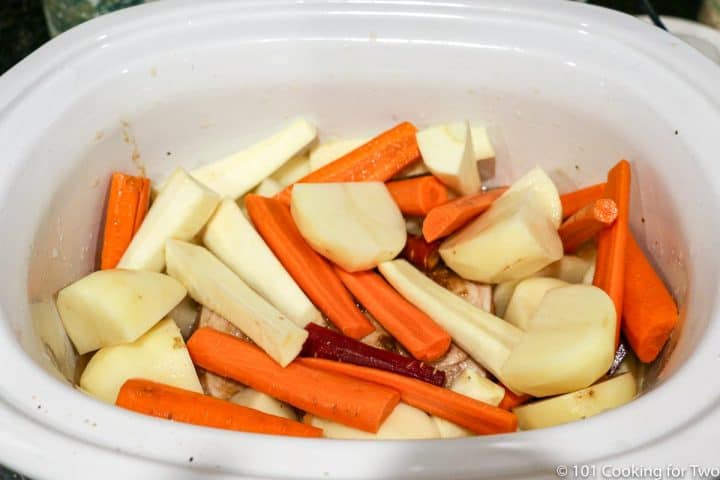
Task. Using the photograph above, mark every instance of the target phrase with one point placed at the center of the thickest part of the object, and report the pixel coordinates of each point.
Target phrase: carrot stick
(477, 416)
(443, 220)
(352, 402)
(128, 203)
(584, 224)
(417, 196)
(143, 204)
(512, 400)
(417, 332)
(172, 403)
(312, 272)
(612, 241)
(574, 201)
(649, 311)
(379, 159)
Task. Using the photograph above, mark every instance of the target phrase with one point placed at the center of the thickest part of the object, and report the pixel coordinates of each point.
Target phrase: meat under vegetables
(455, 361)
(215, 385)
(478, 294)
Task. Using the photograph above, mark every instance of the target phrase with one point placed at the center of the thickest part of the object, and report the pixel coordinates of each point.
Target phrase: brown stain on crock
(129, 138)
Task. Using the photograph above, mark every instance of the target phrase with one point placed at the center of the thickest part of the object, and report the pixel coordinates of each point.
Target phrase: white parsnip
(332, 150)
(212, 284)
(181, 209)
(292, 171)
(237, 174)
(268, 188)
(485, 337)
(232, 238)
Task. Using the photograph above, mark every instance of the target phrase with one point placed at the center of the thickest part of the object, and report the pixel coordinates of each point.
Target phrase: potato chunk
(569, 343)
(110, 307)
(159, 355)
(357, 225)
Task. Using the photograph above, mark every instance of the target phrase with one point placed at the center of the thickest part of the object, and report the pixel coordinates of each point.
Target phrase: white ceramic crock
(567, 86)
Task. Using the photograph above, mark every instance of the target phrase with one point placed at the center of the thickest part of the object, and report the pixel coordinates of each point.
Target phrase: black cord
(647, 6)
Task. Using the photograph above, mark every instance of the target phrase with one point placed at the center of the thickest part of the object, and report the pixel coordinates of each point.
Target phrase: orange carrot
(612, 241)
(584, 224)
(379, 159)
(512, 400)
(443, 220)
(355, 403)
(423, 338)
(649, 311)
(574, 201)
(128, 202)
(417, 196)
(172, 403)
(312, 272)
(477, 416)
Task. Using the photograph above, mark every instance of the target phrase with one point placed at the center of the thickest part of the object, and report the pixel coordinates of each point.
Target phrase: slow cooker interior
(194, 94)
(533, 124)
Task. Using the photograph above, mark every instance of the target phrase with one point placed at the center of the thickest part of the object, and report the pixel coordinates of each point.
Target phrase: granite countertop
(23, 29)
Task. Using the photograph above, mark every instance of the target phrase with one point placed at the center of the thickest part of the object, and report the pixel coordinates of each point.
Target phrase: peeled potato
(527, 297)
(471, 384)
(482, 146)
(548, 198)
(483, 151)
(578, 405)
(502, 293)
(357, 225)
(568, 344)
(512, 240)
(265, 403)
(447, 150)
(110, 307)
(405, 422)
(570, 268)
(159, 355)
